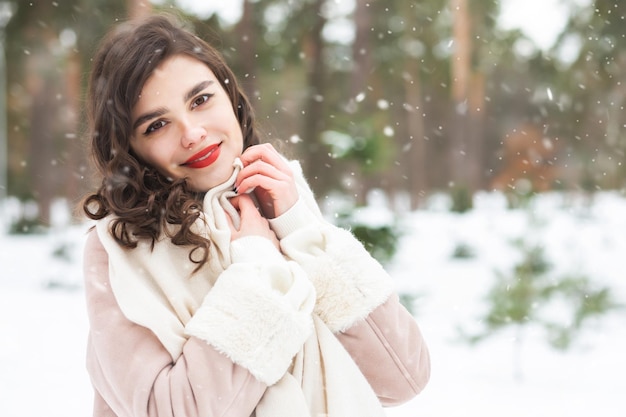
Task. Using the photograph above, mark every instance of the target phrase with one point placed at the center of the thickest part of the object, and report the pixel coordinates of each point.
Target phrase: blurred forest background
(408, 97)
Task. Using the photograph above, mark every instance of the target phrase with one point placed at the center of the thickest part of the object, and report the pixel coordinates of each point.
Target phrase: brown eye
(200, 100)
(155, 126)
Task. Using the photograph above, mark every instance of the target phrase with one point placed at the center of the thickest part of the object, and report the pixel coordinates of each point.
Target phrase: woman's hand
(251, 223)
(271, 178)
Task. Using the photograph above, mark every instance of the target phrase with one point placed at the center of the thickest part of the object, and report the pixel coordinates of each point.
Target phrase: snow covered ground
(43, 325)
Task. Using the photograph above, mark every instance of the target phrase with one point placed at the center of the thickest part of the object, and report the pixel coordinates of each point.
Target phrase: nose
(192, 134)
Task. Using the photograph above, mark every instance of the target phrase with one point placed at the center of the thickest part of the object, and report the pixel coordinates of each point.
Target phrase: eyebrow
(162, 110)
(148, 116)
(197, 88)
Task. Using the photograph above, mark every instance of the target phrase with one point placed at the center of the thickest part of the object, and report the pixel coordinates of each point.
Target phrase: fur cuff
(349, 283)
(258, 316)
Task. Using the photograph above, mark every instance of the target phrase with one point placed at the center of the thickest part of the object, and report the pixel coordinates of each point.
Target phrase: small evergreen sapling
(530, 295)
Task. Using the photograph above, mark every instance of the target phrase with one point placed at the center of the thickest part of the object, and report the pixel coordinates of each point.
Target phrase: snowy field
(43, 323)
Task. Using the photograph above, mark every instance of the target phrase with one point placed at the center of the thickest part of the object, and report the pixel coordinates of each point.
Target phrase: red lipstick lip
(204, 158)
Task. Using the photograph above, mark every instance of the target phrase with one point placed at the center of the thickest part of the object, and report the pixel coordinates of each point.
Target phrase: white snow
(43, 325)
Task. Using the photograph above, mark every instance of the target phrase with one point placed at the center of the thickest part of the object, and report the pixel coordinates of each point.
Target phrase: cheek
(155, 156)
(238, 131)
(142, 153)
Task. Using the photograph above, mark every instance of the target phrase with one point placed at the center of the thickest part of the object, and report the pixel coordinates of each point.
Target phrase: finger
(264, 159)
(270, 185)
(267, 177)
(263, 152)
(235, 201)
(264, 169)
(246, 206)
(278, 195)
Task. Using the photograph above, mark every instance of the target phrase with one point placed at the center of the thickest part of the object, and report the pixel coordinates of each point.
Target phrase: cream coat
(266, 326)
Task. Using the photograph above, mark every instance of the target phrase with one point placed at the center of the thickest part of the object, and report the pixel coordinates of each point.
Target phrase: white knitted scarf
(323, 380)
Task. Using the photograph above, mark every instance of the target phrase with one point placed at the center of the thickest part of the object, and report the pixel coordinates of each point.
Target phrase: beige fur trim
(254, 323)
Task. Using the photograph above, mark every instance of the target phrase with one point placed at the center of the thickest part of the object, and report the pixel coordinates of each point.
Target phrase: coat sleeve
(259, 310)
(134, 375)
(390, 351)
(349, 283)
(356, 300)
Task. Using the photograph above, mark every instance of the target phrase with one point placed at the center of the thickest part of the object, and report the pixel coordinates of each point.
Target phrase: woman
(214, 286)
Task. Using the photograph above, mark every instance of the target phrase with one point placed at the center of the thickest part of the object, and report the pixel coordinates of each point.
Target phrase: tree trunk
(315, 160)
(476, 151)
(245, 34)
(138, 8)
(413, 151)
(362, 59)
(461, 73)
(361, 48)
(74, 155)
(43, 162)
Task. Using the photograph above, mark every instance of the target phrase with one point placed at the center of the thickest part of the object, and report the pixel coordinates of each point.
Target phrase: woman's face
(184, 124)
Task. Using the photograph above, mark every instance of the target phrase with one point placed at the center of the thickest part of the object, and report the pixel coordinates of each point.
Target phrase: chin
(203, 183)
(206, 185)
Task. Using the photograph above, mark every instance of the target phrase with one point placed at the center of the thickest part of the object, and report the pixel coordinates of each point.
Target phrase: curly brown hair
(143, 201)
